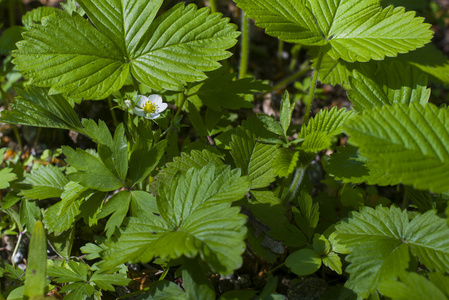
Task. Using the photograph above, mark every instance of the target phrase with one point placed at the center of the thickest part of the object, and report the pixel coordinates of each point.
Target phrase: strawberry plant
(183, 179)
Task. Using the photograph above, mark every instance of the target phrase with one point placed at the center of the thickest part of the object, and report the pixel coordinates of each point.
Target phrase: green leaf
(410, 144)
(105, 281)
(72, 272)
(195, 159)
(348, 166)
(35, 277)
(195, 282)
(391, 84)
(379, 241)
(35, 107)
(77, 290)
(164, 290)
(333, 262)
(118, 206)
(286, 112)
(354, 30)
(63, 222)
(6, 176)
(144, 160)
(428, 60)
(99, 133)
(195, 220)
(285, 162)
(253, 158)
(115, 157)
(222, 89)
(36, 15)
(44, 182)
(441, 281)
(308, 214)
(411, 287)
(270, 124)
(303, 262)
(91, 171)
(329, 122)
(71, 56)
(9, 39)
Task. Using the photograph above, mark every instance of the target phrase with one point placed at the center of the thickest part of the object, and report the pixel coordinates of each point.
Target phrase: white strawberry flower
(149, 107)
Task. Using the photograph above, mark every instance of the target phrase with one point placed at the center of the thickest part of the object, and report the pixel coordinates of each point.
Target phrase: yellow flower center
(149, 107)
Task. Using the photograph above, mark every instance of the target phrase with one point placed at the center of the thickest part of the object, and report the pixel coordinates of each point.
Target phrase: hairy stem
(244, 51)
(313, 86)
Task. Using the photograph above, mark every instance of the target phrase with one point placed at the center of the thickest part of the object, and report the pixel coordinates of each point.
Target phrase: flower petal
(155, 98)
(141, 100)
(161, 107)
(139, 111)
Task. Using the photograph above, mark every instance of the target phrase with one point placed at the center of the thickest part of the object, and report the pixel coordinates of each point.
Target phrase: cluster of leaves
(230, 188)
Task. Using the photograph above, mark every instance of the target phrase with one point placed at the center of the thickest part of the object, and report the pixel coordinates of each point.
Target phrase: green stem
(16, 248)
(313, 86)
(280, 49)
(294, 186)
(38, 135)
(244, 51)
(274, 269)
(302, 70)
(114, 117)
(213, 5)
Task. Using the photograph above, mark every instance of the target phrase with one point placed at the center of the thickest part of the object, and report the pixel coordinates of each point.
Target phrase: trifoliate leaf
(253, 158)
(411, 287)
(70, 55)
(195, 219)
(391, 84)
(381, 239)
(34, 107)
(354, 30)
(45, 182)
(409, 144)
